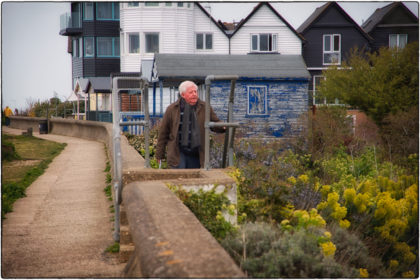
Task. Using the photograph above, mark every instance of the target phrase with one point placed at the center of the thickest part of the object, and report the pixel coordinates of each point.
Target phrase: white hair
(185, 85)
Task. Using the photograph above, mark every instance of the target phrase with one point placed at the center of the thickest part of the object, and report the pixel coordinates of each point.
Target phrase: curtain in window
(402, 41)
(104, 10)
(152, 43)
(105, 46)
(88, 11)
(89, 46)
(133, 43)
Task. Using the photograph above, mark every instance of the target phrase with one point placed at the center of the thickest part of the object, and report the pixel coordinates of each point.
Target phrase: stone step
(125, 252)
(125, 236)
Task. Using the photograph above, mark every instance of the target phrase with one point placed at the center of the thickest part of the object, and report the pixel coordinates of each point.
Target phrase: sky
(36, 65)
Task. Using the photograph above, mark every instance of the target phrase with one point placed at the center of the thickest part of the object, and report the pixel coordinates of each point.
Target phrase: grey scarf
(189, 127)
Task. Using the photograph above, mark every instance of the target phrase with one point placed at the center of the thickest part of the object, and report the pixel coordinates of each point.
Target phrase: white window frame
(128, 50)
(331, 49)
(204, 34)
(274, 39)
(145, 41)
(398, 40)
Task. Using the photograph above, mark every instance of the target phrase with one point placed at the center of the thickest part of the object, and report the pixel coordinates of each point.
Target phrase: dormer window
(264, 42)
(332, 49)
(204, 41)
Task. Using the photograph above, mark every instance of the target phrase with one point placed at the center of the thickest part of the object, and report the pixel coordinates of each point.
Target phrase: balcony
(70, 24)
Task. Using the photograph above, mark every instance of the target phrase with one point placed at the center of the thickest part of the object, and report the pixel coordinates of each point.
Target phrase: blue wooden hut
(271, 93)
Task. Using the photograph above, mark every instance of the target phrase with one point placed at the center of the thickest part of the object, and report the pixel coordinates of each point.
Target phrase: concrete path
(63, 225)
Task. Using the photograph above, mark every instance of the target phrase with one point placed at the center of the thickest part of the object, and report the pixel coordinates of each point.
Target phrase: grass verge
(33, 157)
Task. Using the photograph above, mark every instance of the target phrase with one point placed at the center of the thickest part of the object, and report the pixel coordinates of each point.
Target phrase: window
(89, 47)
(332, 49)
(152, 42)
(104, 102)
(88, 11)
(108, 11)
(168, 4)
(132, 4)
(133, 43)
(204, 41)
(76, 16)
(80, 47)
(257, 100)
(321, 100)
(265, 42)
(316, 82)
(108, 46)
(76, 48)
(180, 4)
(151, 4)
(397, 40)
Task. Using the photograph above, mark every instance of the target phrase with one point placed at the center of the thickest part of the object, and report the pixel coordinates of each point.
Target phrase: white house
(265, 31)
(187, 28)
(167, 27)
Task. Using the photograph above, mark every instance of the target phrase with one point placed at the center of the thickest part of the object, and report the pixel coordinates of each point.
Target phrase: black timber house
(93, 30)
(330, 33)
(392, 26)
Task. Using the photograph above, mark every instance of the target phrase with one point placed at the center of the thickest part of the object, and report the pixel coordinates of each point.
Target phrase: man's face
(190, 95)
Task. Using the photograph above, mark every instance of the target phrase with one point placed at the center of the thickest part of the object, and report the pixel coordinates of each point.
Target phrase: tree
(379, 84)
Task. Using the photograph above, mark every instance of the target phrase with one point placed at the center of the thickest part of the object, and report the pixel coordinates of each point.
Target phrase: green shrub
(265, 251)
(207, 206)
(8, 151)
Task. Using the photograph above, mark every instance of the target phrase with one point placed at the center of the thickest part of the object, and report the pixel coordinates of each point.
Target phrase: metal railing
(123, 84)
(230, 125)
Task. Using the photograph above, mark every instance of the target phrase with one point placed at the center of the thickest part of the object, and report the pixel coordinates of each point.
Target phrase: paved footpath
(63, 225)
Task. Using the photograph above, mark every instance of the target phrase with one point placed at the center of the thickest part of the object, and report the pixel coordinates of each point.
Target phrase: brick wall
(130, 103)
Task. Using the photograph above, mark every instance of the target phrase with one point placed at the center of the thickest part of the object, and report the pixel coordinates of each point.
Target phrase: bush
(265, 251)
(8, 151)
(400, 132)
(208, 207)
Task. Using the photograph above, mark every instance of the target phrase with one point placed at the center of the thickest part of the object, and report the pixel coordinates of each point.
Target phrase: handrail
(143, 86)
(228, 147)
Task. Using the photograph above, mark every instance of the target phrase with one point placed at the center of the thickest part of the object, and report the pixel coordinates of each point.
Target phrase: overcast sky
(34, 57)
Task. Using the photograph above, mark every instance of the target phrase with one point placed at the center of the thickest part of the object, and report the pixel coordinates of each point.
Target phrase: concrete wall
(25, 123)
(167, 240)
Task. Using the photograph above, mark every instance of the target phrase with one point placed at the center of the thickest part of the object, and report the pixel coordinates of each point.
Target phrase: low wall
(169, 241)
(25, 123)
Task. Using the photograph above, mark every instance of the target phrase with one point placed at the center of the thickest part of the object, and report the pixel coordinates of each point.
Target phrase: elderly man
(182, 130)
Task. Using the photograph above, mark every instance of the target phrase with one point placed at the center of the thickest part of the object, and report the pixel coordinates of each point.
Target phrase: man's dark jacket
(168, 132)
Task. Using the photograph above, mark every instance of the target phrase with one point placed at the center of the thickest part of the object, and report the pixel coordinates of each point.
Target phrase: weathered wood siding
(265, 21)
(287, 102)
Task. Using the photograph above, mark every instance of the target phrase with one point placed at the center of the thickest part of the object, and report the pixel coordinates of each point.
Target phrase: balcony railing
(70, 22)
